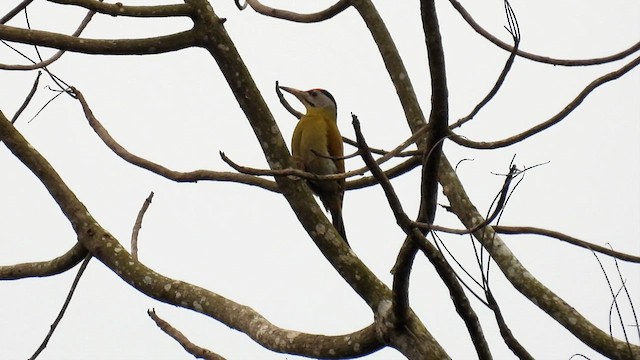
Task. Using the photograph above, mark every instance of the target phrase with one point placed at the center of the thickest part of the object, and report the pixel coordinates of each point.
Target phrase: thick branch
(109, 251)
(523, 280)
(45, 268)
(393, 62)
(118, 9)
(155, 45)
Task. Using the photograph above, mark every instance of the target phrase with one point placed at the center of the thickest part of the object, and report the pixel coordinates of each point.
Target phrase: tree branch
(393, 62)
(55, 323)
(522, 279)
(45, 268)
(193, 349)
(118, 9)
(110, 252)
(138, 225)
(522, 230)
(147, 46)
(192, 176)
(57, 55)
(538, 58)
(323, 15)
(460, 140)
(514, 30)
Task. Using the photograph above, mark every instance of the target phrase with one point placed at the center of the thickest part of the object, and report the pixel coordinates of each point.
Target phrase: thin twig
(138, 225)
(56, 56)
(27, 100)
(64, 307)
(626, 290)
(613, 304)
(514, 31)
(543, 59)
(460, 140)
(523, 230)
(51, 267)
(191, 348)
(192, 176)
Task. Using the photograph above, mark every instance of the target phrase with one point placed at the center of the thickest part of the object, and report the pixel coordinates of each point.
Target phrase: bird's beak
(297, 93)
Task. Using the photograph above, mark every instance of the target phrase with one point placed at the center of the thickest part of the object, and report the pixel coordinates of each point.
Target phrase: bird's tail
(336, 217)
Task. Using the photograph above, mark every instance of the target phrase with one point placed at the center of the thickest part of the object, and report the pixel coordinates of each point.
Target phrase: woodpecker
(317, 148)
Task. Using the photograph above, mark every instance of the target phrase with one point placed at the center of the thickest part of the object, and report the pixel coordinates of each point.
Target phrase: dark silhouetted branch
(55, 323)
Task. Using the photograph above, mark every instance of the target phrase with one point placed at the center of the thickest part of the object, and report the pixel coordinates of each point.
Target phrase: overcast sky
(245, 243)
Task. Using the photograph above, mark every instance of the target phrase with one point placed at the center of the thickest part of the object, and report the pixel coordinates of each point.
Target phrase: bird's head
(314, 99)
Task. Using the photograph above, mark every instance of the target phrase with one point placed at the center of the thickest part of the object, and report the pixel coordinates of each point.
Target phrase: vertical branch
(138, 225)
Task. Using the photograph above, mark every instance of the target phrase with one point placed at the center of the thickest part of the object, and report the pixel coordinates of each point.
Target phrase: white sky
(245, 244)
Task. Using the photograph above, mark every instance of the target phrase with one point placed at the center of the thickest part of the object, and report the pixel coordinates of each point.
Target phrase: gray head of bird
(314, 99)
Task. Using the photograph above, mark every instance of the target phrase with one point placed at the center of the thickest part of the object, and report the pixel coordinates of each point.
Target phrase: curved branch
(118, 9)
(522, 280)
(44, 268)
(514, 30)
(538, 58)
(146, 46)
(191, 176)
(110, 252)
(57, 55)
(523, 230)
(323, 15)
(460, 140)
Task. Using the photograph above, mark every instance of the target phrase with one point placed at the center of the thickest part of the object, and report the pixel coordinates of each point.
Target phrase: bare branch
(27, 100)
(521, 278)
(407, 253)
(514, 30)
(138, 225)
(15, 11)
(193, 349)
(118, 9)
(192, 176)
(460, 140)
(523, 230)
(110, 252)
(393, 62)
(155, 45)
(45, 268)
(509, 339)
(323, 15)
(543, 59)
(57, 55)
(55, 323)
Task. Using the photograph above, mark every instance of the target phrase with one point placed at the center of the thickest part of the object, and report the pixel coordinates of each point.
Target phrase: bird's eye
(314, 93)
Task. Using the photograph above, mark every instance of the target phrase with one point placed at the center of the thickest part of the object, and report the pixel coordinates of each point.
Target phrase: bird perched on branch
(317, 148)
